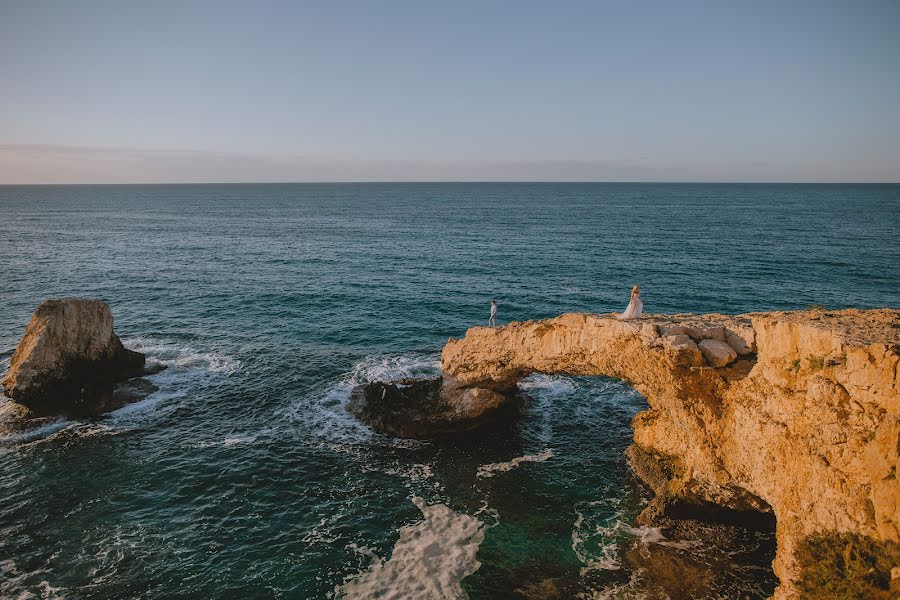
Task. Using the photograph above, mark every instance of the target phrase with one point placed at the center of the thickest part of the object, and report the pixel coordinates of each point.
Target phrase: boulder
(423, 408)
(69, 359)
(742, 338)
(716, 353)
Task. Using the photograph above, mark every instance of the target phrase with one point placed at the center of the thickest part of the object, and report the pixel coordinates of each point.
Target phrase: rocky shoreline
(788, 420)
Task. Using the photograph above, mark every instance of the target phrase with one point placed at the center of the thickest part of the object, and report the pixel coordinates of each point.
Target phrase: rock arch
(794, 412)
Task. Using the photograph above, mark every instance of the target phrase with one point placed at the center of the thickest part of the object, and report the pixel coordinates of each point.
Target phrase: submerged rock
(420, 408)
(69, 360)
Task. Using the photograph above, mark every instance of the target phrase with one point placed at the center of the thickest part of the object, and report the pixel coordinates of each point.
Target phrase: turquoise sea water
(243, 477)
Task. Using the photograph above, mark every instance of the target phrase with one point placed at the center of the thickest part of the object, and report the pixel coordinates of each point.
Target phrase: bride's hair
(636, 288)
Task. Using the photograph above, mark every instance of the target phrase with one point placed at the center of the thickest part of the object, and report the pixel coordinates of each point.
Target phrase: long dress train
(634, 309)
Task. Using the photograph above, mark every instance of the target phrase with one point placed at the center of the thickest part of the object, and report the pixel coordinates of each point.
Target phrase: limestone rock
(716, 353)
(69, 359)
(422, 408)
(805, 425)
(742, 338)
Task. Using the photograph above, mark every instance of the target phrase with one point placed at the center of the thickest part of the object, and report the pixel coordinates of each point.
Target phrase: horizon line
(451, 181)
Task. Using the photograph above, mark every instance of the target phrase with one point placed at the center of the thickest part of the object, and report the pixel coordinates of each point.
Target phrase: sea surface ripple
(244, 477)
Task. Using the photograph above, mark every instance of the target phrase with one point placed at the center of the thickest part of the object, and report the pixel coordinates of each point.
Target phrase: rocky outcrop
(421, 408)
(797, 413)
(69, 360)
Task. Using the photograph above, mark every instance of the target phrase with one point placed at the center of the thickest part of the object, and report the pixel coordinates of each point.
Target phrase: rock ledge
(795, 414)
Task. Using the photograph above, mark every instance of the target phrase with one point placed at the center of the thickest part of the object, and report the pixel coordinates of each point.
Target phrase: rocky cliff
(69, 359)
(797, 413)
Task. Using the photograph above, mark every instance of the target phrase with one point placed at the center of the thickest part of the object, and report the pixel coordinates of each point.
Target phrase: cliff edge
(793, 413)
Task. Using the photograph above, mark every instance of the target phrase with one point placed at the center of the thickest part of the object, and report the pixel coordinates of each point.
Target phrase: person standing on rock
(635, 307)
(493, 320)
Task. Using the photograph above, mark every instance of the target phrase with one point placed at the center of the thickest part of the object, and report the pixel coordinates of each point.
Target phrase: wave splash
(186, 368)
(325, 415)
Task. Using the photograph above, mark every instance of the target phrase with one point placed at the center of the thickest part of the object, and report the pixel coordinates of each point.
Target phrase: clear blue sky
(625, 90)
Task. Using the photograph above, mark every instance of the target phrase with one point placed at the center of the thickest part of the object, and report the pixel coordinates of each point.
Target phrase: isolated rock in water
(69, 359)
(420, 408)
(716, 353)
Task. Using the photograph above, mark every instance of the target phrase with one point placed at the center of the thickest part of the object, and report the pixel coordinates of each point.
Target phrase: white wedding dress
(634, 309)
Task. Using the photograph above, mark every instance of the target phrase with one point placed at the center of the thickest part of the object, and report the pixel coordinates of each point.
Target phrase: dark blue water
(244, 478)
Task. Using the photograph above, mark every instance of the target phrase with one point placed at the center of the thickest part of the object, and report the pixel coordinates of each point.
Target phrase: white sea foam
(182, 357)
(600, 528)
(491, 469)
(547, 392)
(186, 368)
(326, 417)
(11, 431)
(602, 553)
(429, 560)
(13, 584)
(415, 473)
(234, 441)
(550, 385)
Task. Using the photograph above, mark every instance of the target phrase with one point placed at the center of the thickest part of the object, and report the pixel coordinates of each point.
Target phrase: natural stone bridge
(797, 413)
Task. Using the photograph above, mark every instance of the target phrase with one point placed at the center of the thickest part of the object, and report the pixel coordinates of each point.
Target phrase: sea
(243, 476)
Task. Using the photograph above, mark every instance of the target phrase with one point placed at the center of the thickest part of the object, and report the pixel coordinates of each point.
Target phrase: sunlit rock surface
(69, 360)
(793, 413)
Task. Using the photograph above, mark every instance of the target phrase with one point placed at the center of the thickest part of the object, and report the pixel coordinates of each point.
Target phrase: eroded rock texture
(69, 359)
(421, 408)
(797, 413)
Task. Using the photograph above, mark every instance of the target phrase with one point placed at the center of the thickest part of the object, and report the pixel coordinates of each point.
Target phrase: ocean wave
(386, 368)
(429, 560)
(325, 415)
(491, 469)
(600, 528)
(14, 582)
(17, 428)
(186, 368)
(596, 535)
(550, 385)
(234, 440)
(182, 357)
(546, 392)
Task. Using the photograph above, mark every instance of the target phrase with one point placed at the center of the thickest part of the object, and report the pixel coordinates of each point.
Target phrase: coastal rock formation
(793, 413)
(419, 408)
(69, 360)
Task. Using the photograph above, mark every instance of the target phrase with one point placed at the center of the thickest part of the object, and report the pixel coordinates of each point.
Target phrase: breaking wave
(325, 414)
(186, 368)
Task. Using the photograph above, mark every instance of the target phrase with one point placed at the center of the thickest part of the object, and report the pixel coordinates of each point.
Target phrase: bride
(635, 307)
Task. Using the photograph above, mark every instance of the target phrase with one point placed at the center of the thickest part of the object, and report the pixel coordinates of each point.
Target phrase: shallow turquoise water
(243, 476)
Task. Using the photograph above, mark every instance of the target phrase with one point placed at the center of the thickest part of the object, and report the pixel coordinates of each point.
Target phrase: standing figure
(493, 321)
(635, 307)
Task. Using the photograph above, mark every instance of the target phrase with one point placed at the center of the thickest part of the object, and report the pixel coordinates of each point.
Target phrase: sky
(617, 90)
